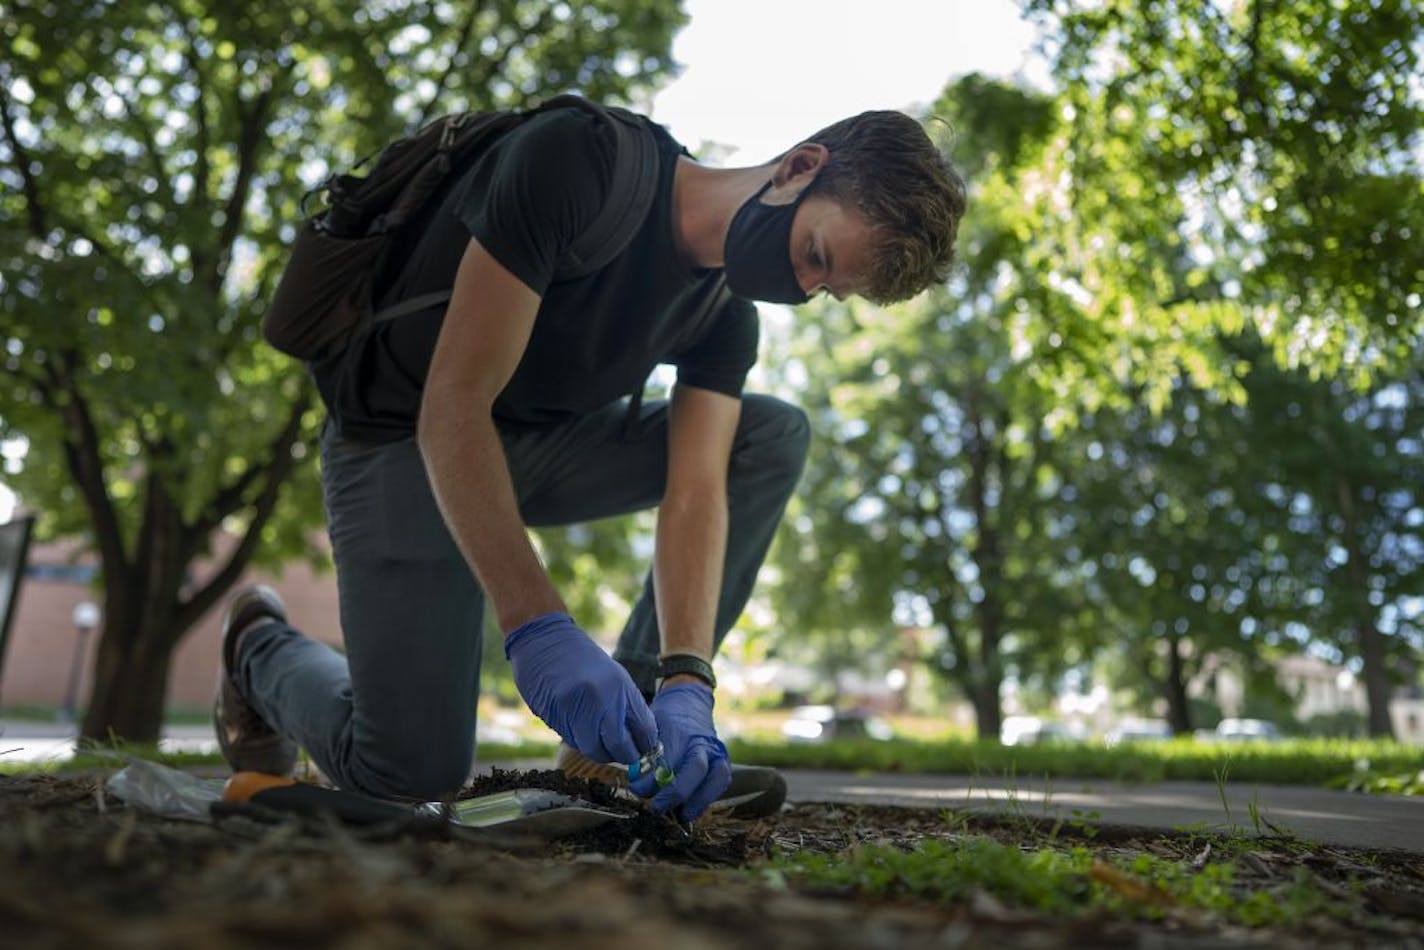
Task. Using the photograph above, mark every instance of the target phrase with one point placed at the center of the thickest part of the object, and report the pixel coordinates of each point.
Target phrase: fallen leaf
(1128, 886)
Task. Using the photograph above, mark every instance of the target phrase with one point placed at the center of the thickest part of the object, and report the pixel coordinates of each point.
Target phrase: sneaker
(762, 790)
(755, 792)
(247, 742)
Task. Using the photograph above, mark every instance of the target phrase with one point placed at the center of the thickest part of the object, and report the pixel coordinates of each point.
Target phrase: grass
(114, 755)
(108, 758)
(1378, 782)
(1360, 765)
(1292, 762)
(1059, 881)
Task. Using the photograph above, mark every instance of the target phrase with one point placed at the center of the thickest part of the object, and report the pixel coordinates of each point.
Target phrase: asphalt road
(1330, 817)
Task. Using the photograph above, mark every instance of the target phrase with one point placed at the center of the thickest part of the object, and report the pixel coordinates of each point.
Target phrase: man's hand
(579, 691)
(697, 757)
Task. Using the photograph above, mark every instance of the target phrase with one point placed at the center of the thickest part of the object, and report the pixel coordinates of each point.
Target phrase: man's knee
(418, 771)
(778, 433)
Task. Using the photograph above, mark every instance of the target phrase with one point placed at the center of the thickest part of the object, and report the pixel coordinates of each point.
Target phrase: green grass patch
(501, 752)
(1377, 782)
(113, 757)
(1290, 762)
(1058, 882)
(110, 759)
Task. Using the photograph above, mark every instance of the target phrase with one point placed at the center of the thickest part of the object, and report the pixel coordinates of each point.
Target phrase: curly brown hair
(884, 165)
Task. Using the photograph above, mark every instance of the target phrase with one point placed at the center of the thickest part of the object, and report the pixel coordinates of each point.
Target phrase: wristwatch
(675, 664)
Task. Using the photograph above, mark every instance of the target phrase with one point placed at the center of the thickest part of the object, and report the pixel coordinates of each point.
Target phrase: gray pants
(395, 715)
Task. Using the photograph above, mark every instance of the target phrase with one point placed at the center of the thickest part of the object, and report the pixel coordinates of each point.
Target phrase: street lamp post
(86, 618)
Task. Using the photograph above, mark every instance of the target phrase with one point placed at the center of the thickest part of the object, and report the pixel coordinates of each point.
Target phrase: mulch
(78, 868)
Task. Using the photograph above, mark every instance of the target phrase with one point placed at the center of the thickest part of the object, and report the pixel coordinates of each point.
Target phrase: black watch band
(676, 664)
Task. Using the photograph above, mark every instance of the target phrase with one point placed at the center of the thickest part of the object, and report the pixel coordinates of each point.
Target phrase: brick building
(35, 669)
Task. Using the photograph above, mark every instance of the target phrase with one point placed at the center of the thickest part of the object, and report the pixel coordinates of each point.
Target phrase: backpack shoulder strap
(630, 194)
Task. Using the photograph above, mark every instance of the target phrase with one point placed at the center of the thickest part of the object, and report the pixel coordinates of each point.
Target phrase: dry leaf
(1128, 886)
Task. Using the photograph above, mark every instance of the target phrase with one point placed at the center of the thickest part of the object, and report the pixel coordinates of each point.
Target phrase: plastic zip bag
(160, 790)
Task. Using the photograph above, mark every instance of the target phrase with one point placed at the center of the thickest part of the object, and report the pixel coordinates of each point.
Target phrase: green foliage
(949, 871)
(1051, 881)
(931, 496)
(1169, 404)
(1291, 131)
(1384, 783)
(1289, 762)
(159, 152)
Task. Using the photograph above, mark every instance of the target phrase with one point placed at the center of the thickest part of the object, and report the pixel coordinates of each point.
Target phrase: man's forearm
(687, 570)
(470, 477)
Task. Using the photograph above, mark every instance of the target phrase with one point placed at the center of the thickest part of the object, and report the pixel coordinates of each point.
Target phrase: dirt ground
(77, 868)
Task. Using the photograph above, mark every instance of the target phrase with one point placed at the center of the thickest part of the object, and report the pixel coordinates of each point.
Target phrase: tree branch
(425, 113)
(145, 289)
(254, 123)
(34, 209)
(493, 66)
(202, 172)
(86, 467)
(964, 663)
(229, 499)
(278, 468)
(150, 145)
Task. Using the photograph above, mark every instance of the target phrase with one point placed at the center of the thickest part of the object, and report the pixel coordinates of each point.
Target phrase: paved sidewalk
(1330, 817)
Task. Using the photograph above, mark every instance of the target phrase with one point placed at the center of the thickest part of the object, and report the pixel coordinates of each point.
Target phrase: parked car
(1028, 730)
(1240, 730)
(824, 723)
(1139, 730)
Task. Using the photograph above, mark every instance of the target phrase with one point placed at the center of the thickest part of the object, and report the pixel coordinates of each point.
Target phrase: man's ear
(797, 169)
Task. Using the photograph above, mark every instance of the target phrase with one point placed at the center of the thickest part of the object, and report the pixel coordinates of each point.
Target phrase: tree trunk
(987, 557)
(130, 684)
(1377, 685)
(1367, 636)
(1174, 687)
(988, 711)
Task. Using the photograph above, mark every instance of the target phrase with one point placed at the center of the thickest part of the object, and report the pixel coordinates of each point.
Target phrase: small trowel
(527, 811)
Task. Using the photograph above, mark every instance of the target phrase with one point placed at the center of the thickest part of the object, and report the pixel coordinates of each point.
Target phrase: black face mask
(757, 254)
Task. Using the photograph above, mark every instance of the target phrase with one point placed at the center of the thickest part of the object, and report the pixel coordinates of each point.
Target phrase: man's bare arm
(486, 329)
(692, 520)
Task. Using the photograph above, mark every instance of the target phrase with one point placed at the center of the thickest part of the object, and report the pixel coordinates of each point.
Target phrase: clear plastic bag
(160, 790)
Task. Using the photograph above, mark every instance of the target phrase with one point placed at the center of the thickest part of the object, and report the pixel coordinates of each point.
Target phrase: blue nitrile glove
(697, 757)
(579, 691)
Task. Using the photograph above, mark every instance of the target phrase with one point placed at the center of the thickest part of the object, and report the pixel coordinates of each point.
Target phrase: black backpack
(328, 289)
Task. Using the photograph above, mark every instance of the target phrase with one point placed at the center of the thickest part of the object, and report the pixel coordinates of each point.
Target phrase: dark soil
(78, 869)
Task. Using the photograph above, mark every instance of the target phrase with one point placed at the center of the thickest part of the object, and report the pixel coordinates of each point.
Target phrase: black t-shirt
(596, 338)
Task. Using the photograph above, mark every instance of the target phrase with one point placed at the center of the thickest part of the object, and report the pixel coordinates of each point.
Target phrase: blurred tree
(1293, 133)
(1340, 482)
(1170, 522)
(1254, 530)
(1290, 136)
(153, 156)
(932, 496)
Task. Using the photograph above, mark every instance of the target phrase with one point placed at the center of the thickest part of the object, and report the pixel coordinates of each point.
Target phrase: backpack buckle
(447, 133)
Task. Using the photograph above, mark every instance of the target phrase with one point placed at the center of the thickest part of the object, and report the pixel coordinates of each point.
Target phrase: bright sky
(760, 74)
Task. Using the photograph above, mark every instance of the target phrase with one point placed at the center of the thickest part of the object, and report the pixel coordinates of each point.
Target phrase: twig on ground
(118, 844)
